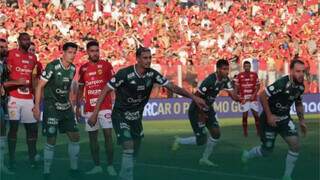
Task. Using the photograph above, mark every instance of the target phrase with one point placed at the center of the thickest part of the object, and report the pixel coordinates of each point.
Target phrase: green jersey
(211, 86)
(3, 78)
(58, 86)
(282, 93)
(132, 90)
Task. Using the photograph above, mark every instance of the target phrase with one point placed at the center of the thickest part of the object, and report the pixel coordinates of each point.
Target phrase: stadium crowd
(194, 35)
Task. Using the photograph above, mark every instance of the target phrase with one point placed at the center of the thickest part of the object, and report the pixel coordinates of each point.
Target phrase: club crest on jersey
(133, 82)
(100, 71)
(141, 88)
(59, 74)
(17, 55)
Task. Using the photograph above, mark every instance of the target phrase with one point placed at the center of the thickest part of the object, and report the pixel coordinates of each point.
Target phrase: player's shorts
(254, 105)
(198, 125)
(262, 74)
(21, 109)
(285, 127)
(103, 121)
(54, 120)
(127, 125)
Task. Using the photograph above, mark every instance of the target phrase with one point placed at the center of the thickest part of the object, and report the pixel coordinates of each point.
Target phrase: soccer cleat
(286, 178)
(111, 171)
(207, 162)
(95, 170)
(5, 170)
(175, 145)
(244, 157)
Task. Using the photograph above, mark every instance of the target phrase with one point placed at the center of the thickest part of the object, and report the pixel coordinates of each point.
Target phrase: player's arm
(300, 114)
(38, 92)
(255, 93)
(176, 89)
(231, 91)
(12, 83)
(79, 99)
(271, 119)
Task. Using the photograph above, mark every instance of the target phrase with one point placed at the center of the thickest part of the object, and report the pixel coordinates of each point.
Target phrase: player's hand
(200, 102)
(93, 119)
(303, 128)
(36, 113)
(271, 120)
(22, 82)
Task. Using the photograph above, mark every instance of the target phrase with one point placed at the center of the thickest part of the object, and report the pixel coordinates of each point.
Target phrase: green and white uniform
(58, 112)
(132, 94)
(3, 98)
(209, 90)
(282, 94)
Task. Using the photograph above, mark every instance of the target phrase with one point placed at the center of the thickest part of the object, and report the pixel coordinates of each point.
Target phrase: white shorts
(21, 110)
(250, 105)
(262, 74)
(103, 121)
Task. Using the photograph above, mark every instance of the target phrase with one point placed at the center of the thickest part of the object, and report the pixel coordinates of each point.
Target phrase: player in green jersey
(275, 119)
(58, 112)
(133, 86)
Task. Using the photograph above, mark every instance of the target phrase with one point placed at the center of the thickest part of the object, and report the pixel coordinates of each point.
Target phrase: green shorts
(268, 134)
(54, 120)
(199, 126)
(127, 125)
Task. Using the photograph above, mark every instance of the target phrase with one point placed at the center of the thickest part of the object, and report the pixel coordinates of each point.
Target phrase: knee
(295, 147)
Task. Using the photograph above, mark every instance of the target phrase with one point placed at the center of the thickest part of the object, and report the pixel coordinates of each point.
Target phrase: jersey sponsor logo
(92, 73)
(282, 108)
(66, 79)
(52, 121)
(62, 106)
(141, 88)
(96, 82)
(25, 61)
(61, 91)
(124, 126)
(23, 70)
(132, 100)
(94, 92)
(131, 116)
(149, 74)
(93, 101)
(99, 66)
(131, 75)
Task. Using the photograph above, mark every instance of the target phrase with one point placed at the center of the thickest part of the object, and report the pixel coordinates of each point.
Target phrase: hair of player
(23, 34)
(68, 45)
(3, 40)
(92, 43)
(140, 50)
(294, 62)
(246, 62)
(221, 63)
(32, 44)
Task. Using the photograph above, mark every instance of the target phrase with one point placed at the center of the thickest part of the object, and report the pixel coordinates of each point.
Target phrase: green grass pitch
(157, 162)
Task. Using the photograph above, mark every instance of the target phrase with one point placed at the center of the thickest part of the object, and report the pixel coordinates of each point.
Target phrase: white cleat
(245, 157)
(95, 170)
(111, 171)
(175, 145)
(206, 162)
(5, 170)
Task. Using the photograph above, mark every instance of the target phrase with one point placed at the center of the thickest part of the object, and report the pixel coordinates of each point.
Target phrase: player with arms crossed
(275, 119)
(247, 86)
(133, 86)
(200, 119)
(58, 112)
(93, 76)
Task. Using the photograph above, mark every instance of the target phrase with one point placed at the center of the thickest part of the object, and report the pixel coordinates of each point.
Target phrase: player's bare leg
(109, 151)
(256, 120)
(32, 136)
(127, 163)
(211, 143)
(292, 155)
(95, 150)
(245, 123)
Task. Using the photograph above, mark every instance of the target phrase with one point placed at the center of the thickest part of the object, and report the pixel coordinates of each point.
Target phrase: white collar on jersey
(63, 65)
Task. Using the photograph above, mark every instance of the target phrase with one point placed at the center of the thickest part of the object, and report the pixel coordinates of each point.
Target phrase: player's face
(69, 54)
(93, 53)
(298, 73)
(145, 59)
(3, 49)
(32, 49)
(223, 71)
(247, 67)
(24, 42)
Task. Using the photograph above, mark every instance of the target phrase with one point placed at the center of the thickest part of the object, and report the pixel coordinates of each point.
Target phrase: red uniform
(22, 65)
(94, 77)
(247, 82)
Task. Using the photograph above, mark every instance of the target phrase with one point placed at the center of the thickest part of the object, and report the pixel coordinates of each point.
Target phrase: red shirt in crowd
(94, 77)
(247, 83)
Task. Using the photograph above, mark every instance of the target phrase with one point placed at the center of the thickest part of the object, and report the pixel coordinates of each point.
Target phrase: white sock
(126, 172)
(209, 147)
(3, 142)
(187, 140)
(48, 154)
(255, 152)
(290, 162)
(74, 149)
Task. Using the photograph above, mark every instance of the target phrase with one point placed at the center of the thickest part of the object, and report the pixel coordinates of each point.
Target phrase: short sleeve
(160, 79)
(117, 80)
(47, 73)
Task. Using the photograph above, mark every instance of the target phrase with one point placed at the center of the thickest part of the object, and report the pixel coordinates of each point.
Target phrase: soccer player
(247, 86)
(21, 65)
(58, 112)
(201, 119)
(275, 119)
(133, 86)
(93, 76)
